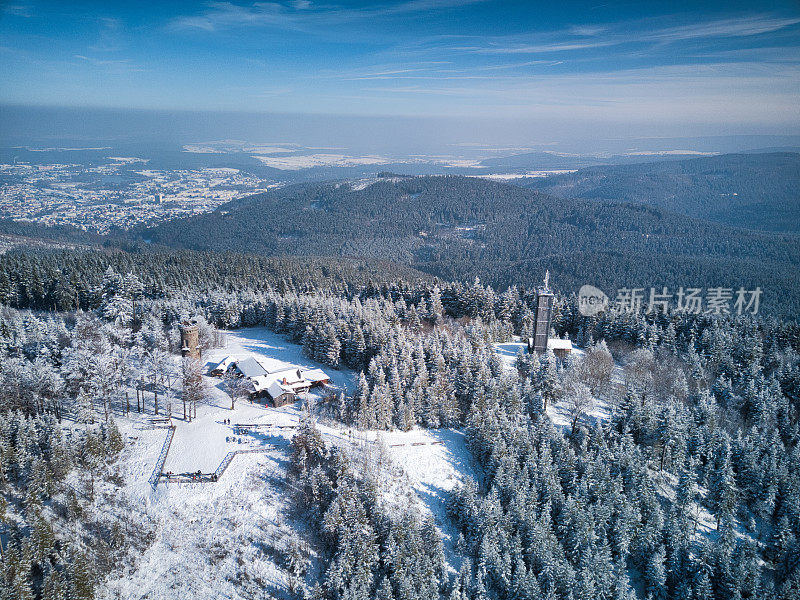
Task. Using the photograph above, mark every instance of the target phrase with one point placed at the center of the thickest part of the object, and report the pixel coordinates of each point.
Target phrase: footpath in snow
(225, 539)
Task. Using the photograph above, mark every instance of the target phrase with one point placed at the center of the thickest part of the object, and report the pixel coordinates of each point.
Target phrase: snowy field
(224, 539)
(202, 444)
(425, 466)
(308, 161)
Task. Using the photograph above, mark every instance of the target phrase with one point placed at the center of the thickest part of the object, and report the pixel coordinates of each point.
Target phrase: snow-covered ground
(558, 412)
(531, 174)
(202, 443)
(705, 522)
(225, 539)
(429, 464)
(308, 161)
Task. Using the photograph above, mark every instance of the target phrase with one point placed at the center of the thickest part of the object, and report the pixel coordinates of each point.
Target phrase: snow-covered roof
(264, 371)
(223, 364)
(261, 383)
(557, 344)
(249, 367)
(272, 365)
(290, 375)
(315, 375)
(288, 380)
(276, 389)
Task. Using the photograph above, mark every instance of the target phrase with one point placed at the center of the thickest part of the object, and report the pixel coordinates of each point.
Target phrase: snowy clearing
(295, 163)
(225, 539)
(559, 412)
(433, 462)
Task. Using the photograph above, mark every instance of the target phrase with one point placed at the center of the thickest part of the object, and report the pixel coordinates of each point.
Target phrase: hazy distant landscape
(458, 227)
(399, 300)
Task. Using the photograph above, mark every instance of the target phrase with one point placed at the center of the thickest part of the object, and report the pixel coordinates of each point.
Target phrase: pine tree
(655, 575)
(84, 407)
(384, 591)
(54, 586)
(82, 577)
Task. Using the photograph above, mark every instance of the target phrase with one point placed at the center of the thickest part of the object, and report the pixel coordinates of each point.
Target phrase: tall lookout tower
(544, 317)
(190, 339)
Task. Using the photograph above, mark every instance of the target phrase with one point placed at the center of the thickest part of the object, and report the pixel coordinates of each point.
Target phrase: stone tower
(190, 339)
(544, 317)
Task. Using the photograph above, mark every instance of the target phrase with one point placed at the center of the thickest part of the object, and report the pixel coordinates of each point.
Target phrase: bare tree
(104, 379)
(579, 400)
(597, 367)
(235, 386)
(669, 377)
(127, 373)
(156, 365)
(639, 369)
(194, 387)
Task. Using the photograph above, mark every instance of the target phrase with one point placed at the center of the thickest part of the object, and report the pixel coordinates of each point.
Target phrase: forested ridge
(57, 233)
(756, 191)
(63, 280)
(460, 228)
(703, 425)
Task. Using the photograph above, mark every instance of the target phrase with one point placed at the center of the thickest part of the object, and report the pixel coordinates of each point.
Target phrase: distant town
(116, 195)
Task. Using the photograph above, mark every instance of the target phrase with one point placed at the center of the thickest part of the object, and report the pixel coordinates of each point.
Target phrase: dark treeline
(455, 228)
(459, 228)
(64, 280)
(59, 233)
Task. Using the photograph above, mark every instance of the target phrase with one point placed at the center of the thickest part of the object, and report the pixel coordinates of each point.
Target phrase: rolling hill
(460, 228)
(756, 191)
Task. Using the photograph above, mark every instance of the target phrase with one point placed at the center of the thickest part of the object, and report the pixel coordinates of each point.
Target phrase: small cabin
(285, 386)
(221, 367)
(268, 377)
(561, 348)
(317, 377)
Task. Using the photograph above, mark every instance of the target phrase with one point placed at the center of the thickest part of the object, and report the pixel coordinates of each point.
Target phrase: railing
(162, 458)
(224, 464)
(229, 458)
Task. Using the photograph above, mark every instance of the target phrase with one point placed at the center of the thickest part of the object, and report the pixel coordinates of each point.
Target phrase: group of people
(196, 476)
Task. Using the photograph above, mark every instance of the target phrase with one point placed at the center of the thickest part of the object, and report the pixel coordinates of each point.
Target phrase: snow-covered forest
(686, 486)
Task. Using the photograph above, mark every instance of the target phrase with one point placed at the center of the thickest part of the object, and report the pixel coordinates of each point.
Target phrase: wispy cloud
(116, 66)
(497, 48)
(110, 35)
(583, 38)
(302, 13)
(734, 27)
(18, 10)
(631, 87)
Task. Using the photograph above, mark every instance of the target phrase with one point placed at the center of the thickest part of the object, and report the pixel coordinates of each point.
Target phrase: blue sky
(733, 65)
